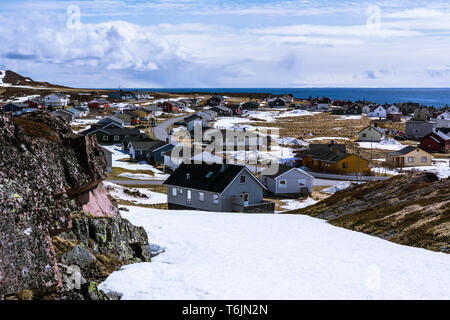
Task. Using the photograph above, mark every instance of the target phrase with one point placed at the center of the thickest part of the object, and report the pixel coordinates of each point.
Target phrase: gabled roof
(121, 132)
(403, 151)
(380, 130)
(326, 152)
(147, 145)
(284, 169)
(444, 130)
(222, 108)
(212, 178)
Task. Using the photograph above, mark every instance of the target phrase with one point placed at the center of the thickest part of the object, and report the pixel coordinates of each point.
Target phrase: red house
(98, 104)
(435, 142)
(170, 106)
(32, 104)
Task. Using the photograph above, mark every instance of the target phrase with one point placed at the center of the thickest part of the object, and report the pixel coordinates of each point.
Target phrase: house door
(245, 198)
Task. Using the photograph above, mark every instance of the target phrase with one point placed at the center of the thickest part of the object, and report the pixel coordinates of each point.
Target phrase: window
(364, 135)
(242, 179)
(424, 159)
(345, 165)
(216, 199)
(180, 191)
(188, 196)
(282, 183)
(116, 138)
(201, 196)
(301, 182)
(410, 159)
(105, 138)
(174, 192)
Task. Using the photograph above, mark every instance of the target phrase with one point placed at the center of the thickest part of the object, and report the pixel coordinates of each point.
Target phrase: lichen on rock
(47, 176)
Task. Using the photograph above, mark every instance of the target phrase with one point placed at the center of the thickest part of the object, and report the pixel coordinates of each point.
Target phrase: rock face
(411, 209)
(47, 175)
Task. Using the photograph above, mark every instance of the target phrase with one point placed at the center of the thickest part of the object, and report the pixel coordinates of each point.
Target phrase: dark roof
(221, 98)
(192, 117)
(281, 169)
(147, 145)
(403, 151)
(204, 177)
(326, 152)
(121, 132)
(222, 108)
(380, 130)
(444, 130)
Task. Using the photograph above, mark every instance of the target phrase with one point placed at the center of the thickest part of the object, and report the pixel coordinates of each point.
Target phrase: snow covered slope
(237, 256)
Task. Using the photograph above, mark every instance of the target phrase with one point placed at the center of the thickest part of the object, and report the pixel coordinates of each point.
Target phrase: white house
(393, 109)
(443, 120)
(288, 180)
(378, 112)
(366, 109)
(56, 100)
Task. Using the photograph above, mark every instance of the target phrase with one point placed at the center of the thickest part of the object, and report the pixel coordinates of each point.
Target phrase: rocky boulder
(47, 175)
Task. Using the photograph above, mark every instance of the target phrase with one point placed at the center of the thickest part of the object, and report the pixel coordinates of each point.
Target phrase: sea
(438, 97)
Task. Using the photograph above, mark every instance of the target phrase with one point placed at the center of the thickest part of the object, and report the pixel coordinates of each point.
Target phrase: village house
(122, 95)
(394, 117)
(56, 100)
(436, 141)
(366, 109)
(222, 111)
(289, 98)
(193, 119)
(98, 104)
(371, 134)
(418, 129)
(354, 108)
(65, 114)
(236, 108)
(207, 115)
(150, 150)
(393, 109)
(14, 109)
(170, 106)
(215, 101)
(217, 188)
(251, 105)
(338, 110)
(35, 103)
(421, 114)
(288, 181)
(154, 110)
(443, 120)
(114, 135)
(378, 112)
(276, 103)
(333, 158)
(320, 104)
(381, 123)
(409, 156)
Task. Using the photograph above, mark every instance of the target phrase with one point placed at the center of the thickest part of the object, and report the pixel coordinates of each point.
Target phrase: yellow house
(333, 158)
(409, 157)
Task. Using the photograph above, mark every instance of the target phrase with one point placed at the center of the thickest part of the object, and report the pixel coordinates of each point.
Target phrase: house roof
(403, 151)
(444, 130)
(147, 145)
(222, 108)
(326, 152)
(378, 129)
(212, 178)
(121, 132)
(283, 169)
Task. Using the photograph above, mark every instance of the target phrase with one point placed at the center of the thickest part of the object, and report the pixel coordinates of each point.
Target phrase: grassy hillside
(412, 209)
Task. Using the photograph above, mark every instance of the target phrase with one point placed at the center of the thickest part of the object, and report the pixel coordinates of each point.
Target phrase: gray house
(288, 181)
(371, 133)
(216, 187)
(419, 129)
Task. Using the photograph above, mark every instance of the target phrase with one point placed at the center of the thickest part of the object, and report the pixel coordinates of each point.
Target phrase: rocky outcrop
(411, 209)
(47, 176)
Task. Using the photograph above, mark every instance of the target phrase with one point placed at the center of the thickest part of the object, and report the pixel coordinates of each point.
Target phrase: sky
(228, 44)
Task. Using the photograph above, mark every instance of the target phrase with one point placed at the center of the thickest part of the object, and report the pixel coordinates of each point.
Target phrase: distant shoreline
(437, 97)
